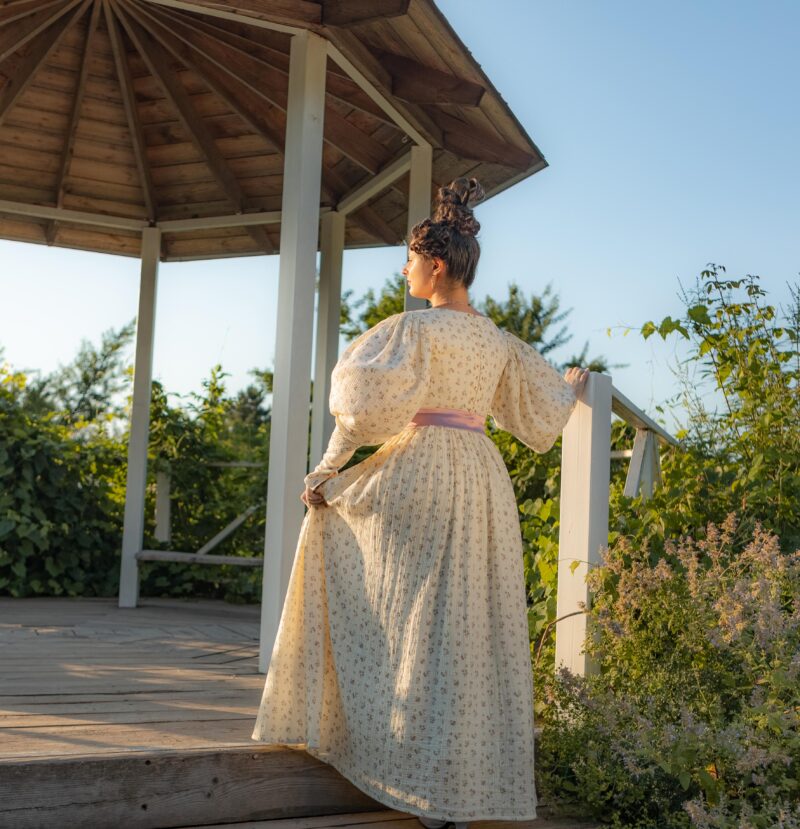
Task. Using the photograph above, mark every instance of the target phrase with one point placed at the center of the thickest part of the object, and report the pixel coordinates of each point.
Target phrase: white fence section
(585, 479)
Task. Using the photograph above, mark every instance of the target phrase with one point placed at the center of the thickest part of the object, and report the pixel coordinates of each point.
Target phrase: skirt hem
(392, 800)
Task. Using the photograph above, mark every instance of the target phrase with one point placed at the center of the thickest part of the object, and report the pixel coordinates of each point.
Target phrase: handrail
(623, 408)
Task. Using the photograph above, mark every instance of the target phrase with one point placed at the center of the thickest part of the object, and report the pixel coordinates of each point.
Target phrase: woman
(402, 657)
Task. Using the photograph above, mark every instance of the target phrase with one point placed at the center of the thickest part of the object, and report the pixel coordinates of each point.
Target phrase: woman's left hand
(313, 499)
(577, 378)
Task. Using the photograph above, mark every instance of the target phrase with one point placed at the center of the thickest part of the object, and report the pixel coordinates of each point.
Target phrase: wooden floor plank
(85, 677)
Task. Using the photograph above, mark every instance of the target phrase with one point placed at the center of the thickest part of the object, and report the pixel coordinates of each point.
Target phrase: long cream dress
(402, 657)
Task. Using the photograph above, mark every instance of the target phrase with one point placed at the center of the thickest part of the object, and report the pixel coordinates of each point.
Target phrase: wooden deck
(142, 718)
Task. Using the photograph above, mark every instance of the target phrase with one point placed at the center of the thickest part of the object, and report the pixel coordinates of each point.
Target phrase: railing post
(583, 528)
(163, 520)
(644, 471)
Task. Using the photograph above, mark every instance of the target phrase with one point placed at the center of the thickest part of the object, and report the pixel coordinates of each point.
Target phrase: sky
(671, 131)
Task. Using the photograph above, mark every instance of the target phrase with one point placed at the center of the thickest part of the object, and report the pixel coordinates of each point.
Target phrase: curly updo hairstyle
(449, 233)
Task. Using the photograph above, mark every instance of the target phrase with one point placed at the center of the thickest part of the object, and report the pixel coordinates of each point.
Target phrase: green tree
(84, 391)
(743, 454)
(390, 300)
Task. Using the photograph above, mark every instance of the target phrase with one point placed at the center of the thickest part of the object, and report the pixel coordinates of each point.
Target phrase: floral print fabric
(402, 656)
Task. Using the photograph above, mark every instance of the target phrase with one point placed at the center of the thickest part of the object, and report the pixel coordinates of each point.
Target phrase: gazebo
(173, 130)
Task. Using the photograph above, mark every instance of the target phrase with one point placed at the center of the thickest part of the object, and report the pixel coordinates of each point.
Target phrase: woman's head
(445, 245)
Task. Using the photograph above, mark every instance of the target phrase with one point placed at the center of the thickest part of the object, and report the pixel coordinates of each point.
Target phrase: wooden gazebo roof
(153, 111)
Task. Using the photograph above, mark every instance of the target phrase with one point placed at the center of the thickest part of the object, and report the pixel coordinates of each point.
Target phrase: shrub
(694, 716)
(61, 503)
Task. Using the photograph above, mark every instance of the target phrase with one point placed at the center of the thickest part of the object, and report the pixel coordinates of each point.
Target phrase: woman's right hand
(311, 498)
(577, 378)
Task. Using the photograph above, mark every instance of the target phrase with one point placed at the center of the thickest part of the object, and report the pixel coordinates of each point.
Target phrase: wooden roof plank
(69, 144)
(26, 67)
(135, 130)
(13, 38)
(21, 136)
(89, 204)
(357, 12)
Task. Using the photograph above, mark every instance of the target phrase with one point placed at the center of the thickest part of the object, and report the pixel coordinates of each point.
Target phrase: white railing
(583, 530)
(585, 478)
(163, 529)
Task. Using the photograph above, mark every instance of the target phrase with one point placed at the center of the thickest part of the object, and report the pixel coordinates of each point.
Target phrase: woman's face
(419, 272)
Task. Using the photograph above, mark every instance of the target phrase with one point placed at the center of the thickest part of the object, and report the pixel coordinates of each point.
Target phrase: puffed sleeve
(377, 386)
(532, 400)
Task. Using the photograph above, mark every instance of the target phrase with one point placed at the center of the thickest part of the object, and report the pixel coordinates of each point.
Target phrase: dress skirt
(402, 657)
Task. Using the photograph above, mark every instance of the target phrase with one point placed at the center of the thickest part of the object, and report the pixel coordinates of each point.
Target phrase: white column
(288, 447)
(133, 528)
(327, 339)
(419, 201)
(583, 529)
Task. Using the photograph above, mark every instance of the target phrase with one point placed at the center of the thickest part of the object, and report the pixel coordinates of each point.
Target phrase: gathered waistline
(458, 418)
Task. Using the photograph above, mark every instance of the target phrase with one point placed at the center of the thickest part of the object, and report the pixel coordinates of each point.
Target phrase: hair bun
(453, 205)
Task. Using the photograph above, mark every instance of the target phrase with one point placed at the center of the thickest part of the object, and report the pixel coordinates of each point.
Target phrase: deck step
(390, 819)
(155, 790)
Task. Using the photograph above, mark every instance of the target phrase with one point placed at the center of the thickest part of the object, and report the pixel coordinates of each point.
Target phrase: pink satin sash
(458, 418)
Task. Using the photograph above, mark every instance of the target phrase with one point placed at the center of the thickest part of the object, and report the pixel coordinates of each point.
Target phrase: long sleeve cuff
(340, 449)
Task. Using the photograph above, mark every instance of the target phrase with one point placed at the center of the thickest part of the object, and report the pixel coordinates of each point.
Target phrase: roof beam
(159, 67)
(419, 84)
(338, 85)
(469, 141)
(270, 84)
(61, 214)
(365, 217)
(369, 221)
(355, 12)
(362, 194)
(285, 16)
(12, 12)
(15, 37)
(131, 113)
(69, 144)
(80, 217)
(381, 98)
(215, 222)
(21, 73)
